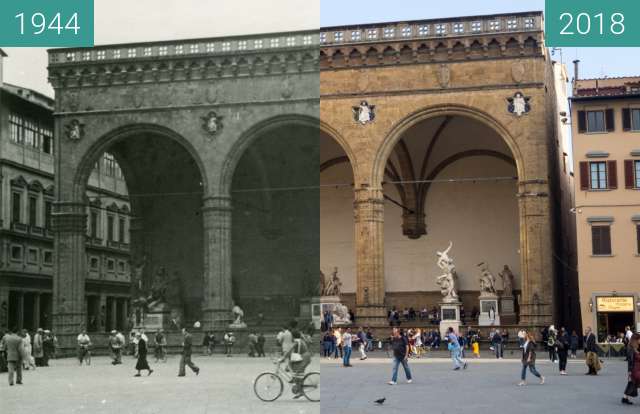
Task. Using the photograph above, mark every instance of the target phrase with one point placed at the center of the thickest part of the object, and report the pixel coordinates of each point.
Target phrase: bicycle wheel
(268, 386)
(311, 386)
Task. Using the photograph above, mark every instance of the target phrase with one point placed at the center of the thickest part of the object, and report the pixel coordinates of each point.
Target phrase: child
(475, 347)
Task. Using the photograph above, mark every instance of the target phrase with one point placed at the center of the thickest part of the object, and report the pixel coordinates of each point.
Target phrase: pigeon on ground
(380, 401)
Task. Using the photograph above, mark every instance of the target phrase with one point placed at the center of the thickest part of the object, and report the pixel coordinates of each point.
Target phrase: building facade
(606, 143)
(26, 238)
(439, 131)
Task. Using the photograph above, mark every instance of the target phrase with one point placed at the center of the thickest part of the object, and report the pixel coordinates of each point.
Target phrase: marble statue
(447, 281)
(507, 281)
(332, 286)
(487, 280)
(238, 314)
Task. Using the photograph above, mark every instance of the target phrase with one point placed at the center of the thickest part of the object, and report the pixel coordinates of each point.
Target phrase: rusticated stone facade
(411, 72)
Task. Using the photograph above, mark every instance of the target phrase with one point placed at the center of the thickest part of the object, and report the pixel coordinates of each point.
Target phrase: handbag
(296, 356)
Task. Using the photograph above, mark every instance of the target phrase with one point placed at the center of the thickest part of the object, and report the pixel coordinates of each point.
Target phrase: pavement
(487, 386)
(225, 385)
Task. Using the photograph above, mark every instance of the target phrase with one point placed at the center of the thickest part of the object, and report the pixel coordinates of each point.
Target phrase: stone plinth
(508, 311)
(449, 317)
(488, 318)
(340, 312)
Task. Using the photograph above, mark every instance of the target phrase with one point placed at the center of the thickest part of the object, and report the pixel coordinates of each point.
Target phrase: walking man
(362, 338)
(496, 341)
(15, 351)
(185, 359)
(454, 348)
(400, 346)
(346, 347)
(116, 348)
(84, 342)
(592, 359)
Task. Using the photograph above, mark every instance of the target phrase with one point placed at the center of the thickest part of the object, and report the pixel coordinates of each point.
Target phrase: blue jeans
(533, 370)
(347, 355)
(456, 357)
(498, 348)
(405, 366)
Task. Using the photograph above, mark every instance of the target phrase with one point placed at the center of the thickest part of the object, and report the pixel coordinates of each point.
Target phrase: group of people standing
(20, 350)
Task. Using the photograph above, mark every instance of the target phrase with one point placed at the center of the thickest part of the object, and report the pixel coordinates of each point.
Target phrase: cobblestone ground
(487, 386)
(225, 385)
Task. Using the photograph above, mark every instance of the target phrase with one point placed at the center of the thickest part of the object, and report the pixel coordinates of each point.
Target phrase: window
(94, 263)
(47, 257)
(636, 165)
(476, 27)
(111, 265)
(16, 253)
(109, 163)
(47, 140)
(441, 29)
(48, 207)
(631, 119)
(638, 237)
(406, 31)
(33, 210)
(16, 207)
(388, 32)
(595, 121)
(94, 224)
(529, 23)
(15, 128)
(601, 240)
(32, 256)
(121, 222)
(458, 27)
(598, 175)
(110, 224)
(423, 30)
(121, 267)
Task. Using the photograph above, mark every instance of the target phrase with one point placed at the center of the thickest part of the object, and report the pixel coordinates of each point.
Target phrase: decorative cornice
(201, 59)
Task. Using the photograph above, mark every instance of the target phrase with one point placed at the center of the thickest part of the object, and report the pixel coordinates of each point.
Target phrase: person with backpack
(400, 347)
(529, 360)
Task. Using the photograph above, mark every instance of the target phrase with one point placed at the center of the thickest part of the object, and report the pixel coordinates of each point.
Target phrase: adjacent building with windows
(26, 240)
(606, 150)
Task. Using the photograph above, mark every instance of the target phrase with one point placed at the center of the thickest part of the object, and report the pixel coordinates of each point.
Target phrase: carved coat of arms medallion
(443, 74)
(519, 104)
(74, 130)
(518, 72)
(212, 124)
(364, 113)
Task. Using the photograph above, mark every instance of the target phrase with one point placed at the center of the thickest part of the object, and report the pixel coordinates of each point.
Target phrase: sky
(120, 21)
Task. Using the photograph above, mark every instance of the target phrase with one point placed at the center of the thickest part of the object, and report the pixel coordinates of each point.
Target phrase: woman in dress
(633, 369)
(529, 359)
(142, 363)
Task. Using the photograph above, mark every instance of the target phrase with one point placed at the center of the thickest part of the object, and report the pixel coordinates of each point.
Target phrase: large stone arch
(397, 131)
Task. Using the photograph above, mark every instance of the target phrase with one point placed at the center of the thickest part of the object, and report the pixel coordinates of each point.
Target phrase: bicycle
(269, 386)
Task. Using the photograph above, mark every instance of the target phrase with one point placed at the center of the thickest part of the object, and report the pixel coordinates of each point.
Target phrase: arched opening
(145, 229)
(448, 177)
(275, 221)
(337, 236)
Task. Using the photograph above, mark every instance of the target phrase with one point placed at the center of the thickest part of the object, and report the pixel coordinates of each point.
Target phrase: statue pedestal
(335, 307)
(488, 318)
(310, 310)
(508, 310)
(238, 325)
(449, 317)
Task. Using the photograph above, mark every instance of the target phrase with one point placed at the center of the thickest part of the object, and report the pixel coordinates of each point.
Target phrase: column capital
(368, 205)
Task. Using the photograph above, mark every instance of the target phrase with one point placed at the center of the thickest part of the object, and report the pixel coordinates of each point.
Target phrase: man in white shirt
(83, 347)
(346, 347)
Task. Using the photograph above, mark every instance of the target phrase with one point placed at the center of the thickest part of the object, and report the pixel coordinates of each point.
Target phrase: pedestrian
(346, 347)
(253, 344)
(212, 343)
(229, 340)
(185, 358)
(496, 342)
(362, 341)
(552, 339)
(27, 360)
(475, 347)
(400, 347)
(261, 341)
(522, 337)
(454, 348)
(529, 360)
(38, 351)
(160, 351)
(327, 340)
(299, 358)
(142, 363)
(633, 369)
(14, 348)
(116, 348)
(591, 353)
(84, 342)
(47, 347)
(563, 342)
(337, 348)
(205, 344)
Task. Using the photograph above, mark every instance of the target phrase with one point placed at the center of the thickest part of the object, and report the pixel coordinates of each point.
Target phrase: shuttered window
(595, 121)
(598, 175)
(601, 240)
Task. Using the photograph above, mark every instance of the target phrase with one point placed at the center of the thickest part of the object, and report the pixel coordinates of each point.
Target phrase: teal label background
(554, 25)
(10, 25)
